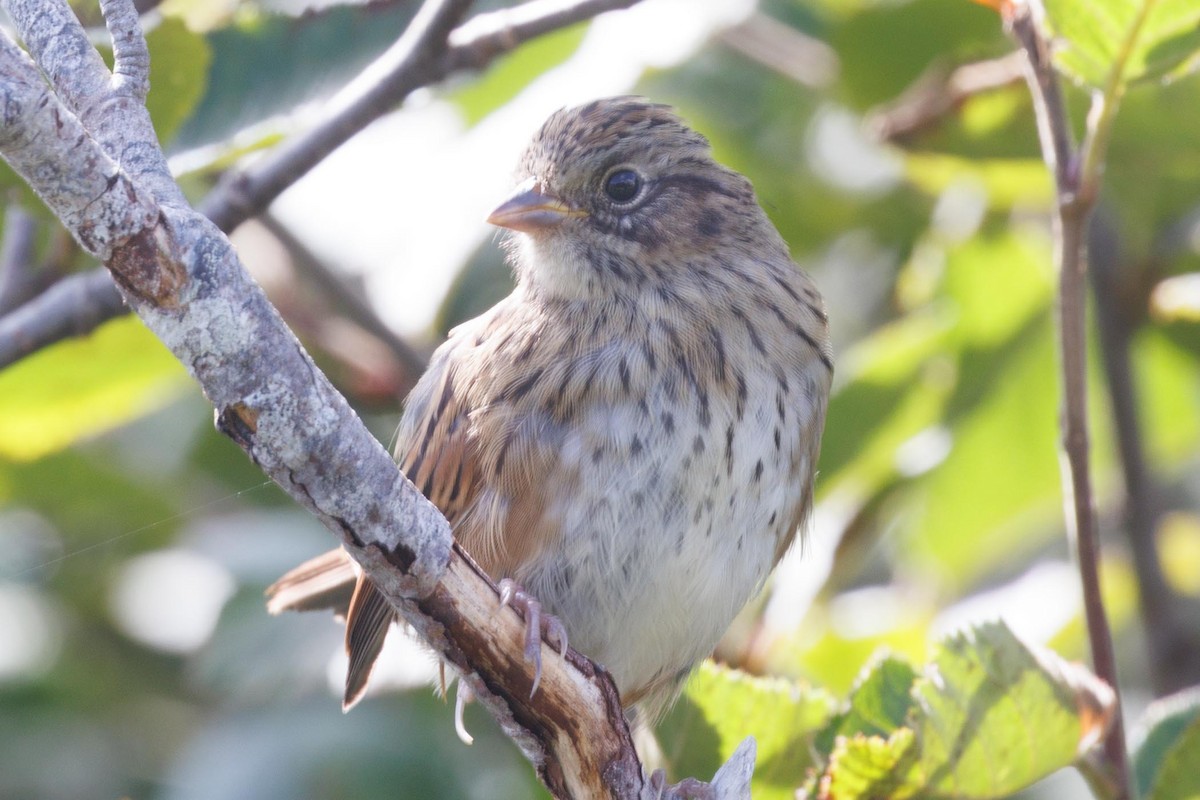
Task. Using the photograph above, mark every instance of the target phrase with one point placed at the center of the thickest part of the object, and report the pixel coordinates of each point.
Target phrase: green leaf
(890, 396)
(1000, 418)
(1151, 166)
(721, 707)
(879, 703)
(513, 72)
(876, 67)
(1165, 760)
(1168, 381)
(997, 716)
(1142, 39)
(292, 61)
(82, 387)
(870, 767)
(968, 373)
(988, 717)
(179, 61)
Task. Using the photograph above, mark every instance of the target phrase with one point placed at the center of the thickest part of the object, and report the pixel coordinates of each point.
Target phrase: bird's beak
(531, 208)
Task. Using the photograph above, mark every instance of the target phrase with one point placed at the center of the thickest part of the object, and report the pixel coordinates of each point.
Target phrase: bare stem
(938, 93)
(72, 307)
(17, 278)
(349, 302)
(402, 68)
(1073, 210)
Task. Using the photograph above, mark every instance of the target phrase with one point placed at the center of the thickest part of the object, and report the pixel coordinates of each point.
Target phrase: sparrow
(630, 436)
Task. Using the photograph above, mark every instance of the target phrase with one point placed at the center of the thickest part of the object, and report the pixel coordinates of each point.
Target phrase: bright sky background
(403, 204)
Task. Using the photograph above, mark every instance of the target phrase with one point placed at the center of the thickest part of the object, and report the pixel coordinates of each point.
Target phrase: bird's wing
(435, 452)
(489, 462)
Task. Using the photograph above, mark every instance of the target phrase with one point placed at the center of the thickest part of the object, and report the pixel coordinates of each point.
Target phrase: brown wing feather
(473, 444)
(367, 625)
(472, 453)
(326, 581)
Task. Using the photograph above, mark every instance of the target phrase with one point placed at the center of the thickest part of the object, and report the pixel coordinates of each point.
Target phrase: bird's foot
(538, 627)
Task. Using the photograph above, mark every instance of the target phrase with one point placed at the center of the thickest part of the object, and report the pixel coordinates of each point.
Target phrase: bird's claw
(462, 696)
(554, 633)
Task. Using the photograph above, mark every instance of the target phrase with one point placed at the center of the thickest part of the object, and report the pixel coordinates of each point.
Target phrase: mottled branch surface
(82, 142)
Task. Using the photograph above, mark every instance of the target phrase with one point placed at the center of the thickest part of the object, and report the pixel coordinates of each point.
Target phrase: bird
(630, 437)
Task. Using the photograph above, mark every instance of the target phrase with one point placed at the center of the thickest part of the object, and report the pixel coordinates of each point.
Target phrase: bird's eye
(622, 185)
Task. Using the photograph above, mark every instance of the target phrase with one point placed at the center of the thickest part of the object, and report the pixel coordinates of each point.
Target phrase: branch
(334, 287)
(790, 52)
(61, 47)
(418, 59)
(182, 277)
(427, 53)
(131, 56)
(402, 68)
(1073, 210)
(18, 280)
(73, 306)
(937, 94)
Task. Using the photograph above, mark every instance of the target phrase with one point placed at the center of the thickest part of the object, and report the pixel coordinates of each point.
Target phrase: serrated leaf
(996, 715)
(82, 387)
(869, 767)
(1143, 39)
(990, 716)
(1170, 738)
(879, 703)
(721, 707)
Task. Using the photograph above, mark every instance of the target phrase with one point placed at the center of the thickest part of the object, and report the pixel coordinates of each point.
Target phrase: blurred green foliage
(938, 490)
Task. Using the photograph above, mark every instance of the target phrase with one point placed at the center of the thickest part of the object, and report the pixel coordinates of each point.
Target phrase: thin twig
(482, 38)
(1071, 221)
(352, 303)
(131, 56)
(403, 67)
(790, 52)
(937, 94)
(71, 307)
(418, 59)
(18, 280)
